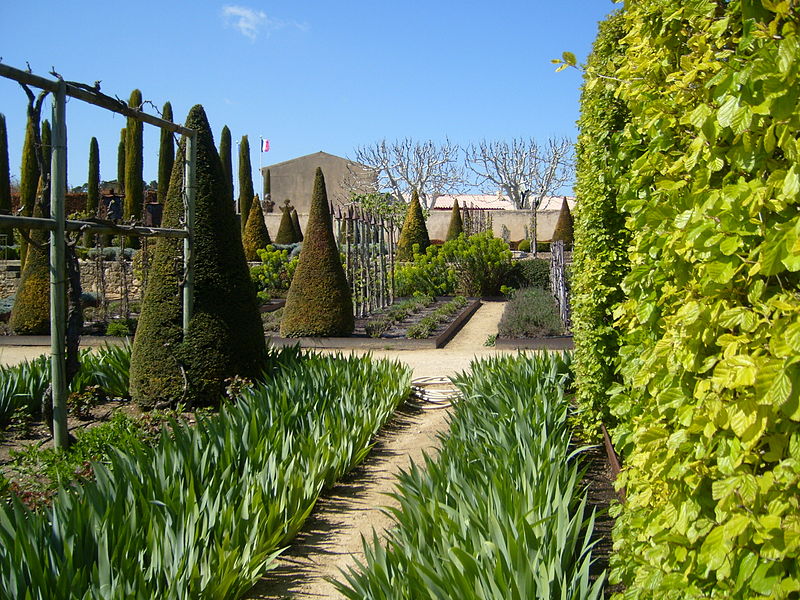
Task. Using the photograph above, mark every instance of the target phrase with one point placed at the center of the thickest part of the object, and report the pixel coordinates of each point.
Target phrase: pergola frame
(57, 224)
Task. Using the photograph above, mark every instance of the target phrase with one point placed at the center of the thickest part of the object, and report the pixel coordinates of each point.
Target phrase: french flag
(264, 145)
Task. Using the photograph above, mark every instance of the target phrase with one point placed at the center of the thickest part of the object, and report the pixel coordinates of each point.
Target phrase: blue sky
(309, 76)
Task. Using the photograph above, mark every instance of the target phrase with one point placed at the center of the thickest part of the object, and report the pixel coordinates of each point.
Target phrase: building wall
(294, 179)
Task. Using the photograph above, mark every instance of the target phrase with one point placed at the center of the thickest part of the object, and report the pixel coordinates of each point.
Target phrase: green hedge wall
(709, 401)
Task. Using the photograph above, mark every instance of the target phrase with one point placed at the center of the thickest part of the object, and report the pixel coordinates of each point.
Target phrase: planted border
(205, 512)
(499, 513)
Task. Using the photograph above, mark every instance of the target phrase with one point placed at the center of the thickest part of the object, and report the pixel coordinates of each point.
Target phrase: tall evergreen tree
(256, 236)
(134, 185)
(47, 146)
(123, 135)
(226, 158)
(298, 233)
(245, 180)
(286, 231)
(456, 227)
(225, 336)
(92, 187)
(28, 182)
(166, 156)
(318, 302)
(5, 178)
(413, 232)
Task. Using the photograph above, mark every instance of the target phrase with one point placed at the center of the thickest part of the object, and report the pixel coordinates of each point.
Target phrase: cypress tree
(225, 158)
(28, 182)
(298, 233)
(92, 187)
(166, 156)
(134, 186)
(245, 180)
(121, 160)
(286, 232)
(5, 178)
(318, 302)
(30, 314)
(413, 232)
(225, 336)
(564, 226)
(47, 145)
(256, 235)
(456, 227)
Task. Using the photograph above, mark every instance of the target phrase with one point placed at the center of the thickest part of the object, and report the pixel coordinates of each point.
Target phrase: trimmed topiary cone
(456, 227)
(564, 226)
(225, 336)
(414, 231)
(318, 303)
(286, 233)
(298, 233)
(256, 235)
(30, 314)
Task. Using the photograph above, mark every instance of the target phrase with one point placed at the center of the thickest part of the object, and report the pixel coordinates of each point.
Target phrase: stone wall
(115, 284)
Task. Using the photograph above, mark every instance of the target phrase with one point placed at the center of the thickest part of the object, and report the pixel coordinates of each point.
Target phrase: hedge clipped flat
(319, 301)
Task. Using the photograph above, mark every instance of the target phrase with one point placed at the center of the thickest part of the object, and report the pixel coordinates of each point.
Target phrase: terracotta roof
(496, 202)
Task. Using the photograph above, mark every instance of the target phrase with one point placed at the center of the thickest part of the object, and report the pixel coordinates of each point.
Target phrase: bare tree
(405, 165)
(522, 169)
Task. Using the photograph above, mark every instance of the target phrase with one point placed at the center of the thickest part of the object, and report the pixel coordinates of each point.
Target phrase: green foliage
(28, 182)
(92, 187)
(414, 233)
(600, 256)
(225, 337)
(118, 329)
(564, 229)
(209, 507)
(456, 226)
(530, 312)
(275, 272)
(47, 145)
(286, 231)
(31, 312)
(298, 233)
(381, 323)
(134, 184)
(428, 274)
(319, 301)
(707, 409)
(256, 236)
(166, 155)
(481, 262)
(500, 512)
(530, 272)
(524, 246)
(226, 158)
(430, 323)
(381, 205)
(123, 136)
(5, 176)
(246, 192)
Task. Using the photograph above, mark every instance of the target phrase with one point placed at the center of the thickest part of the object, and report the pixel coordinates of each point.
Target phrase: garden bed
(394, 338)
(554, 342)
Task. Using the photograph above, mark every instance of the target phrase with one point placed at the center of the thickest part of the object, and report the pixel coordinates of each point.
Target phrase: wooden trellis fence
(368, 245)
(58, 225)
(475, 220)
(558, 282)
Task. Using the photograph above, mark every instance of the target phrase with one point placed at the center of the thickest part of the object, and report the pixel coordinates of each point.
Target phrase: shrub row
(396, 313)
(427, 325)
(499, 513)
(205, 512)
(530, 312)
(22, 387)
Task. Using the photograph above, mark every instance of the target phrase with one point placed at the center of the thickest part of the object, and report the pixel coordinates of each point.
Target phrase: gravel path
(353, 508)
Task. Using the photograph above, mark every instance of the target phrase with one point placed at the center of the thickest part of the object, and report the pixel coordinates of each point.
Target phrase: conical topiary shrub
(319, 301)
(413, 232)
(564, 226)
(256, 235)
(225, 336)
(30, 314)
(456, 227)
(298, 233)
(286, 233)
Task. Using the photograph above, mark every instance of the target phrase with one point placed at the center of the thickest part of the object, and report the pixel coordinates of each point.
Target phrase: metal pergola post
(190, 178)
(58, 269)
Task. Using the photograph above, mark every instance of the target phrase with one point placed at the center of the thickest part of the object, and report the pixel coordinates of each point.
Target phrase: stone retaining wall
(115, 284)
